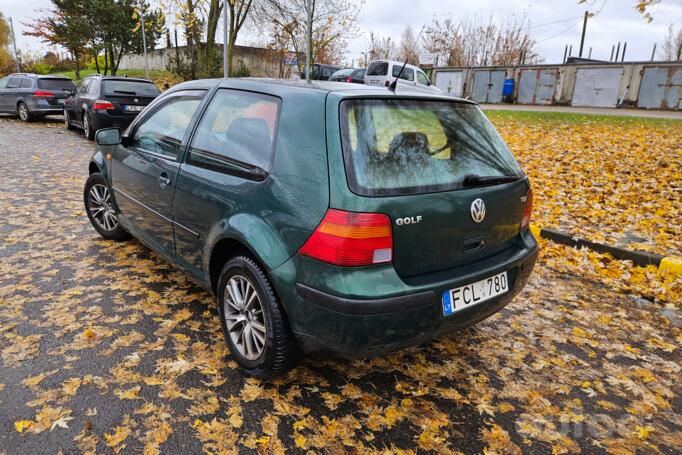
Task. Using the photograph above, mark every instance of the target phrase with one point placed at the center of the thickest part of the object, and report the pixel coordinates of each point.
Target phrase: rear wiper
(127, 92)
(471, 180)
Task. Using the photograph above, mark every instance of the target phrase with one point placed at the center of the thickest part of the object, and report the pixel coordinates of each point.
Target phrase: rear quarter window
(377, 69)
(236, 133)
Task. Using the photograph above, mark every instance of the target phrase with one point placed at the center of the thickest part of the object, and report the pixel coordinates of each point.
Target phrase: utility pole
(582, 38)
(225, 26)
(653, 52)
(144, 43)
(309, 37)
(14, 43)
(625, 45)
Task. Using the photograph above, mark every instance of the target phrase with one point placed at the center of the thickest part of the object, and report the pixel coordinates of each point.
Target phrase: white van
(383, 72)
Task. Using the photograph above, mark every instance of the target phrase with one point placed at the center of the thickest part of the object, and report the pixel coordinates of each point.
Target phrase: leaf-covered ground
(106, 348)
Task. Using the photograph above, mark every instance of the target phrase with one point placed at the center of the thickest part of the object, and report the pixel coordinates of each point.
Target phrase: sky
(616, 20)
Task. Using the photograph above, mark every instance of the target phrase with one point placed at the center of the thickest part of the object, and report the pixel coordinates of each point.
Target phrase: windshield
(135, 88)
(394, 146)
(56, 84)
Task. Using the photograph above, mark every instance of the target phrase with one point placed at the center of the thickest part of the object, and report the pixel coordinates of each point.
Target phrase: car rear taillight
(43, 94)
(349, 79)
(527, 210)
(351, 239)
(101, 104)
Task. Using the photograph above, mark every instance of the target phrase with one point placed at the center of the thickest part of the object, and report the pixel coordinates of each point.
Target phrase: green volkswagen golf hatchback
(329, 219)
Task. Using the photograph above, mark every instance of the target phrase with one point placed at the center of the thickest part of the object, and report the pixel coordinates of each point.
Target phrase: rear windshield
(133, 88)
(377, 69)
(346, 72)
(394, 146)
(56, 84)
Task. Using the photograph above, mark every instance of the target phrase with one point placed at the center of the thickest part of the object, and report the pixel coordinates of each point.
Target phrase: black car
(352, 75)
(320, 72)
(29, 95)
(107, 101)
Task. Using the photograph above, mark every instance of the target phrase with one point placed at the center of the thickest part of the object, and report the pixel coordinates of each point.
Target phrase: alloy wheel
(23, 112)
(86, 126)
(101, 208)
(67, 120)
(244, 317)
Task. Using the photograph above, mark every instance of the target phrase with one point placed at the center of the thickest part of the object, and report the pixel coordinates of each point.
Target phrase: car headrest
(409, 145)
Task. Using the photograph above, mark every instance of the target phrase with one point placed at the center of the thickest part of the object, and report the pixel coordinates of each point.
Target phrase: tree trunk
(94, 53)
(211, 28)
(106, 61)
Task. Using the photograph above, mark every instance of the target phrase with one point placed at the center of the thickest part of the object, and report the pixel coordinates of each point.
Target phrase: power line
(555, 22)
(559, 34)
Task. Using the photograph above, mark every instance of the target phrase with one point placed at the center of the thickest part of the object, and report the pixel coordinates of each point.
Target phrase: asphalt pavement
(105, 348)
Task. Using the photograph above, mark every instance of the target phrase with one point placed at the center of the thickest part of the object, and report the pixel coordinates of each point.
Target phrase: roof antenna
(394, 84)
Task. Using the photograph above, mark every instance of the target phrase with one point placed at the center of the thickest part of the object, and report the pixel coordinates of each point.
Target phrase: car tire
(67, 120)
(100, 209)
(23, 113)
(87, 127)
(254, 319)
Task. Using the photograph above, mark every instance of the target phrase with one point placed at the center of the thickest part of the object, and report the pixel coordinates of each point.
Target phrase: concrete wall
(628, 84)
(261, 62)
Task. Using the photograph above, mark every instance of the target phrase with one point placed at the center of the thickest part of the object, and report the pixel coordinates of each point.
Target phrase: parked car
(320, 72)
(341, 221)
(107, 101)
(29, 95)
(383, 72)
(353, 75)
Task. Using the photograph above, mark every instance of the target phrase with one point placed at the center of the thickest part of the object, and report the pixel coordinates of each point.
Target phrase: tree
(5, 38)
(239, 11)
(65, 25)
(409, 47)
(474, 42)
(672, 44)
(380, 48)
(111, 26)
(333, 23)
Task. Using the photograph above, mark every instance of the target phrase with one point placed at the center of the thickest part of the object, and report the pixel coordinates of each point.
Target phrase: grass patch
(570, 117)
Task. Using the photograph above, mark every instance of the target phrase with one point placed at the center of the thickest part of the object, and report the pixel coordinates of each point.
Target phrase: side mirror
(108, 136)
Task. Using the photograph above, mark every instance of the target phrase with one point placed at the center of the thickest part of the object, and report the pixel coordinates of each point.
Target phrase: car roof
(40, 76)
(120, 78)
(280, 87)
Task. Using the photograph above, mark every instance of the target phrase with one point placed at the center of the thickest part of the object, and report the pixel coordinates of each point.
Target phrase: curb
(639, 258)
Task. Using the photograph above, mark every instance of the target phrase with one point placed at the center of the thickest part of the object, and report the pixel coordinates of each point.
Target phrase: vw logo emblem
(478, 210)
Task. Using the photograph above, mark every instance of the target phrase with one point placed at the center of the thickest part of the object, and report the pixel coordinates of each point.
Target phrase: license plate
(472, 294)
(131, 108)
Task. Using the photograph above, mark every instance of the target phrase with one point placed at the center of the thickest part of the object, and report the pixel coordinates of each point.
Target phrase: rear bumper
(103, 120)
(349, 327)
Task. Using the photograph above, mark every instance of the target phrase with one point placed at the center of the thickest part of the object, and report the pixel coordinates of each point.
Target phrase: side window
(407, 74)
(26, 83)
(236, 134)
(422, 79)
(163, 130)
(3, 82)
(94, 88)
(14, 82)
(84, 86)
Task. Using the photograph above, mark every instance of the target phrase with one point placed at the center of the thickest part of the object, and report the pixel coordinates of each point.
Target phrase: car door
(145, 166)
(228, 159)
(3, 89)
(73, 104)
(11, 93)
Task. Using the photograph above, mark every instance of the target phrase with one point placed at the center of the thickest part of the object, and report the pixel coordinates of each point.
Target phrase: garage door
(450, 82)
(488, 86)
(661, 88)
(597, 87)
(537, 86)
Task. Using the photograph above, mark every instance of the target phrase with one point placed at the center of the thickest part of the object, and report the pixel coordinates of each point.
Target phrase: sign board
(427, 58)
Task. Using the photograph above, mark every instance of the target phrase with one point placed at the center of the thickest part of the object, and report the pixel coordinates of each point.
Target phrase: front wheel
(67, 120)
(100, 209)
(253, 322)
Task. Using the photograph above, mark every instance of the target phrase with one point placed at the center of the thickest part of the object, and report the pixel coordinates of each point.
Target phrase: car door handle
(163, 180)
